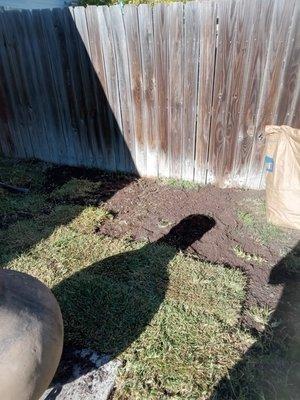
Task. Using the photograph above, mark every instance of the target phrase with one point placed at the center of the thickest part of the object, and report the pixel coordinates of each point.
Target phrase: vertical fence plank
(175, 89)
(9, 111)
(63, 146)
(290, 84)
(105, 116)
(124, 85)
(68, 94)
(235, 90)
(227, 27)
(207, 25)
(7, 145)
(161, 26)
(93, 143)
(97, 105)
(67, 38)
(47, 61)
(42, 76)
(30, 125)
(112, 89)
(60, 73)
(18, 94)
(34, 115)
(191, 46)
(240, 74)
(149, 87)
(136, 76)
(25, 22)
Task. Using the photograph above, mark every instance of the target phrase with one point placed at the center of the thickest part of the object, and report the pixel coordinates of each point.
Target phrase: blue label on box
(269, 163)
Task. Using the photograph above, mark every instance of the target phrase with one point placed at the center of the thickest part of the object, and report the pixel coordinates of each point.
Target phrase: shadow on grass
(25, 220)
(109, 304)
(270, 369)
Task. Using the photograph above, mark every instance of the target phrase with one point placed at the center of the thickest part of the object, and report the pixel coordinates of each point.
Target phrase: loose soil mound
(146, 209)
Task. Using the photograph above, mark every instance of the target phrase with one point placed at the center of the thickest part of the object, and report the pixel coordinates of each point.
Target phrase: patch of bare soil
(146, 210)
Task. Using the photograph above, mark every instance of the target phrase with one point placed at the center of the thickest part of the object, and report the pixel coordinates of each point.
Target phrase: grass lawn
(171, 319)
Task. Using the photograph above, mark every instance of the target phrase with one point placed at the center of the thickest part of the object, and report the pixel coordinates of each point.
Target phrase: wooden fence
(174, 90)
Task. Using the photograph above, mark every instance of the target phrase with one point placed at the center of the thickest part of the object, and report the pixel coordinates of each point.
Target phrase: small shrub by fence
(178, 90)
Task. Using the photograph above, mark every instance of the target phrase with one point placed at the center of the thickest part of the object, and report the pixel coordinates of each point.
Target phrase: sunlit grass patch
(23, 234)
(89, 219)
(189, 339)
(170, 317)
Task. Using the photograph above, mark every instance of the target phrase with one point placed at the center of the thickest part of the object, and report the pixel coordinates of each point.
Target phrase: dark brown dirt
(146, 210)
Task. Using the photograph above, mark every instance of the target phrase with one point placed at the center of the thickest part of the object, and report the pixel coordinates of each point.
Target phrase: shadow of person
(270, 369)
(109, 304)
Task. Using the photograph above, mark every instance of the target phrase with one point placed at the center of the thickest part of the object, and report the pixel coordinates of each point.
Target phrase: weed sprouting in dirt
(239, 252)
(261, 315)
(263, 231)
(163, 223)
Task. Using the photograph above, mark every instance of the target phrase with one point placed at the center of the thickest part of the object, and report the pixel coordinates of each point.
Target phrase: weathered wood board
(180, 90)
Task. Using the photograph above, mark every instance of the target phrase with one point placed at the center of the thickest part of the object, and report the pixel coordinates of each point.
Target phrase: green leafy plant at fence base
(179, 183)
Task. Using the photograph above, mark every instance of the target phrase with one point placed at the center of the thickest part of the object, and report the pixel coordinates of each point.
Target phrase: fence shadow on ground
(270, 369)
